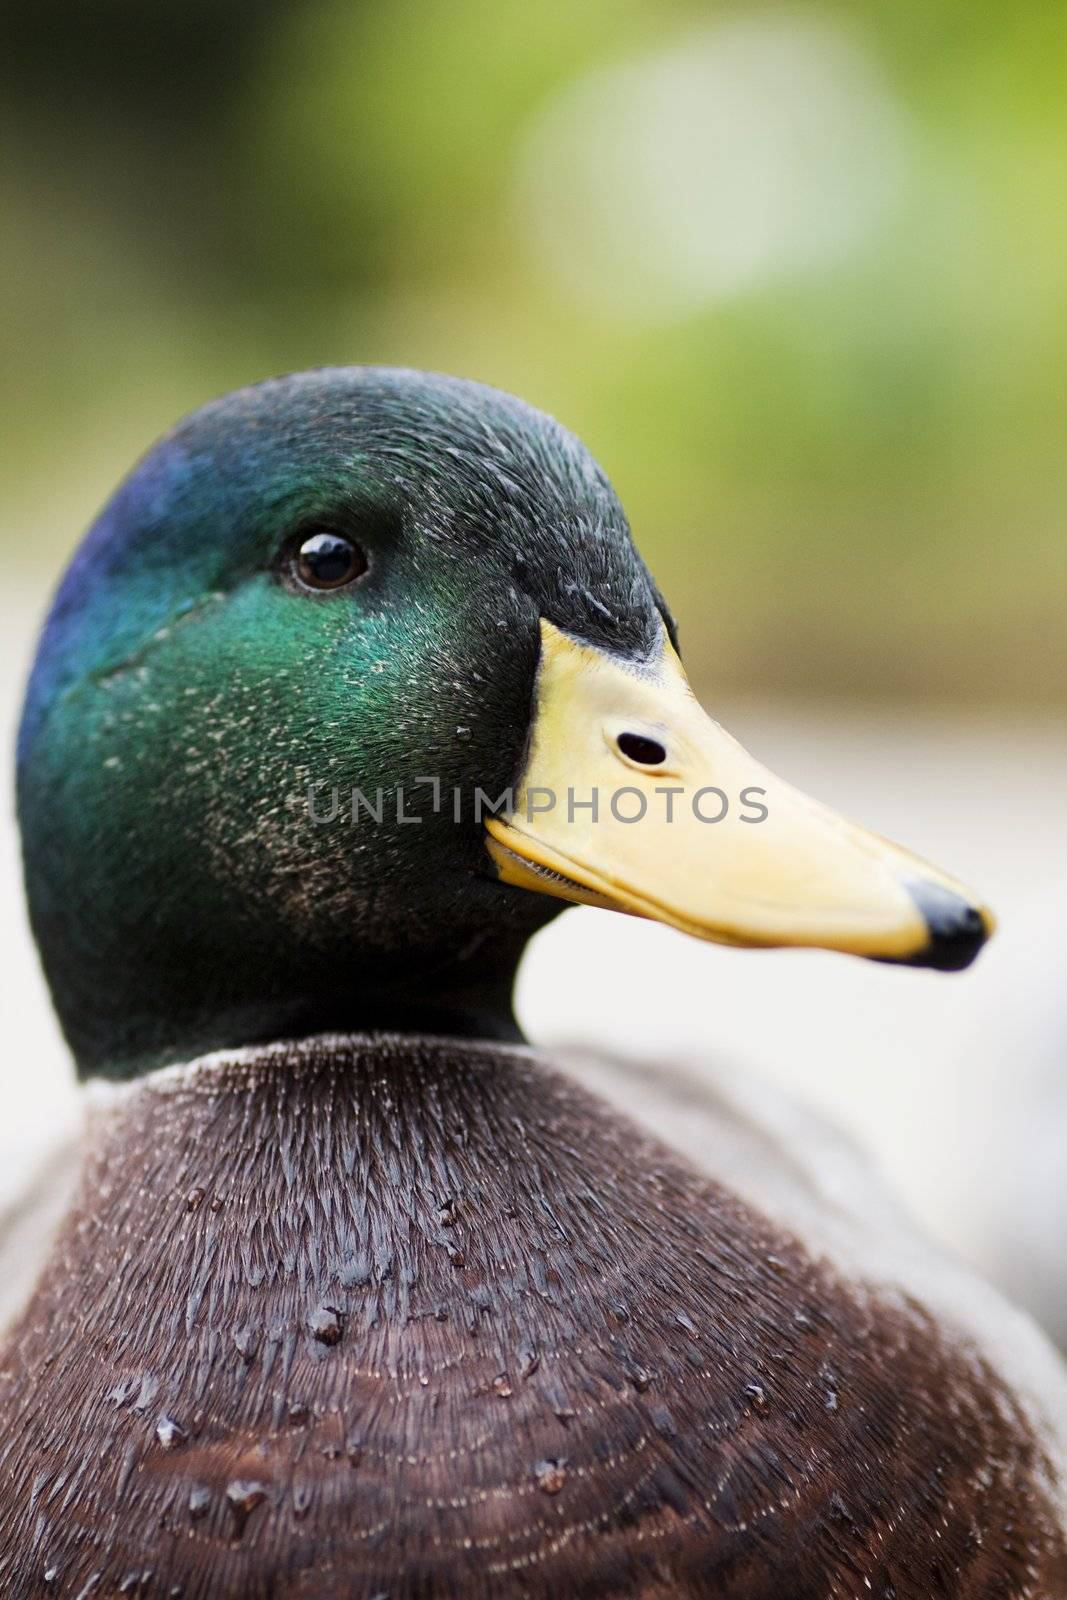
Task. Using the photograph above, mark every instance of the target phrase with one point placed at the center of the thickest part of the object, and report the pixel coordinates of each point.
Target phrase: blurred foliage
(848, 479)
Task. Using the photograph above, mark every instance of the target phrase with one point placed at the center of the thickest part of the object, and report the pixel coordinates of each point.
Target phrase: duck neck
(464, 993)
(468, 996)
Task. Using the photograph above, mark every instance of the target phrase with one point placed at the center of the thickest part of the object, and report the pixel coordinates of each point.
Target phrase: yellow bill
(633, 798)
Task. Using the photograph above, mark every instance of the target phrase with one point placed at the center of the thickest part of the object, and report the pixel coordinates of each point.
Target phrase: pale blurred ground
(901, 1058)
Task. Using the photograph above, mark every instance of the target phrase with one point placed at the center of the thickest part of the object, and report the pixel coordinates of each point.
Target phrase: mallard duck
(358, 1295)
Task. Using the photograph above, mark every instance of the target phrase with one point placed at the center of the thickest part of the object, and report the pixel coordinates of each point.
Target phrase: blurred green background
(797, 275)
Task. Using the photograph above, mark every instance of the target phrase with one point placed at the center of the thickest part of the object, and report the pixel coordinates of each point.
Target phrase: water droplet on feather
(199, 1501)
(550, 1475)
(324, 1325)
(243, 1495)
(170, 1433)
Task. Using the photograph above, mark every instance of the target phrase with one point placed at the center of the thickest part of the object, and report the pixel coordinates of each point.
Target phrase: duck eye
(328, 561)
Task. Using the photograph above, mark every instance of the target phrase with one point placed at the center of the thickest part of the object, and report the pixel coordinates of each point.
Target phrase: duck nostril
(649, 752)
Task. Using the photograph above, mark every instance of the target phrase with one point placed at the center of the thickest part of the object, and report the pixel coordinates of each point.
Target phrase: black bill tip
(957, 928)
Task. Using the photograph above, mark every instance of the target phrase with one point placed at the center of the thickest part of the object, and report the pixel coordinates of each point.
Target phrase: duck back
(417, 1318)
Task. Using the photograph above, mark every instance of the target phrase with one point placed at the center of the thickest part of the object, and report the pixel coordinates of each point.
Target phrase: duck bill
(634, 799)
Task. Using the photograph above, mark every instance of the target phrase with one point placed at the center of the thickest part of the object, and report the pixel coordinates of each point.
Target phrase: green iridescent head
(194, 681)
(313, 642)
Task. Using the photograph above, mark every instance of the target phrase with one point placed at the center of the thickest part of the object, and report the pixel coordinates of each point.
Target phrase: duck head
(356, 679)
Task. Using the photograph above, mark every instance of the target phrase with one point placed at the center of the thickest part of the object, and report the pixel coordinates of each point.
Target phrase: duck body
(445, 1325)
(400, 1307)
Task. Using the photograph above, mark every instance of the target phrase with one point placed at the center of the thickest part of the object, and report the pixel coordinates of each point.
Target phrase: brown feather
(418, 1319)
